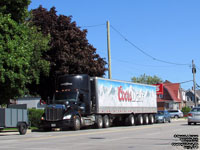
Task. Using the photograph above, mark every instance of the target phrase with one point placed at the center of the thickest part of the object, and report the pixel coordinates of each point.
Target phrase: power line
(197, 67)
(130, 62)
(166, 84)
(96, 25)
(185, 81)
(142, 51)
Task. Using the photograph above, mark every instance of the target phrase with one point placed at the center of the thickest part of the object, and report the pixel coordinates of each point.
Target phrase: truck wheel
(130, 120)
(146, 119)
(99, 122)
(151, 119)
(22, 128)
(76, 123)
(106, 121)
(140, 120)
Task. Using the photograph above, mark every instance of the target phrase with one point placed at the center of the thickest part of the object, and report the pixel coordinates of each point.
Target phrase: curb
(12, 132)
(179, 119)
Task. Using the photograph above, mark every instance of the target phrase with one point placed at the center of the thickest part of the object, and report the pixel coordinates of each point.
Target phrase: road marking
(92, 133)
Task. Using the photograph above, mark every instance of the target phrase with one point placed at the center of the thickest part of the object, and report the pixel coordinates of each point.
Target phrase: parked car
(194, 116)
(162, 116)
(176, 113)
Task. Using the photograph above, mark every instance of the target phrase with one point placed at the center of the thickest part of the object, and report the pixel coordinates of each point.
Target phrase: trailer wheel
(99, 122)
(22, 128)
(151, 119)
(106, 121)
(130, 120)
(140, 120)
(146, 119)
(76, 123)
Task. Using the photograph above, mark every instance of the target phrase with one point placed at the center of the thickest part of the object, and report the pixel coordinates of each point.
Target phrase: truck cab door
(81, 103)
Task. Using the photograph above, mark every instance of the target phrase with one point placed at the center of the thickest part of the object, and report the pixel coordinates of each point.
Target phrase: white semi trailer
(81, 100)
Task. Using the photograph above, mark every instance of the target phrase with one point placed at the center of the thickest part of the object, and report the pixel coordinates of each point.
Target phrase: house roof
(192, 91)
(198, 93)
(171, 92)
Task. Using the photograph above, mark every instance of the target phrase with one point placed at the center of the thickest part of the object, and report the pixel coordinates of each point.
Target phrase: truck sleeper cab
(81, 100)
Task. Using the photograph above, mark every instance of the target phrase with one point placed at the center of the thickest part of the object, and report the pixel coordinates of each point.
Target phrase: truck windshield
(160, 112)
(62, 97)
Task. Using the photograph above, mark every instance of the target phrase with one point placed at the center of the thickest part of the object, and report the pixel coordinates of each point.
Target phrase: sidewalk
(12, 132)
(179, 119)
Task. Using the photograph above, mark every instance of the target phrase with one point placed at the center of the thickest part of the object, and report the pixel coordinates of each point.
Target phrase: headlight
(67, 117)
(42, 118)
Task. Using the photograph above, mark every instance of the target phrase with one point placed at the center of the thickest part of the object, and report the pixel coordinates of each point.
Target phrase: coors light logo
(124, 95)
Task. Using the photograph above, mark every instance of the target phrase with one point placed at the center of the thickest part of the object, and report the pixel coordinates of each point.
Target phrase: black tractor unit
(81, 100)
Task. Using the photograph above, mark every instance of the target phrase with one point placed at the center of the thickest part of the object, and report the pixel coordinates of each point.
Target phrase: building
(32, 102)
(171, 97)
(190, 102)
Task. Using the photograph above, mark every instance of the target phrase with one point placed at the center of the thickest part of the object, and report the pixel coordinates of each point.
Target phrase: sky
(152, 37)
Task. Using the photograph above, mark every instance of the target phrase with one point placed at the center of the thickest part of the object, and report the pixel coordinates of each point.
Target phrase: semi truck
(81, 100)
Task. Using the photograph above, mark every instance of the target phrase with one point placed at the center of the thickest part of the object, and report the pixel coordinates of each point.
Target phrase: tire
(99, 122)
(169, 120)
(164, 120)
(106, 121)
(130, 120)
(22, 128)
(76, 123)
(189, 123)
(176, 117)
(146, 119)
(151, 119)
(195, 123)
(140, 120)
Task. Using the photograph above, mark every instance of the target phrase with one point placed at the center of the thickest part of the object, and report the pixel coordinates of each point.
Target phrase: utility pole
(108, 47)
(194, 82)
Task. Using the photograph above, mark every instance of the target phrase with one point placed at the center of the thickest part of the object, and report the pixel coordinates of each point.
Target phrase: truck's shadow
(190, 125)
(83, 128)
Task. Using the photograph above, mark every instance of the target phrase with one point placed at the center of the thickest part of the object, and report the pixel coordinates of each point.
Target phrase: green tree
(186, 110)
(21, 50)
(20, 57)
(147, 79)
(70, 52)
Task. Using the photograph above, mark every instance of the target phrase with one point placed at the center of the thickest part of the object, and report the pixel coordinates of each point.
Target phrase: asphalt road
(146, 137)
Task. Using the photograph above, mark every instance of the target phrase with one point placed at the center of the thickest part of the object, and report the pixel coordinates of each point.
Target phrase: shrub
(186, 110)
(35, 116)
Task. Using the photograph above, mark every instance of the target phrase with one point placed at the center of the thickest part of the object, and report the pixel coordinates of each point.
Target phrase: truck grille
(53, 114)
